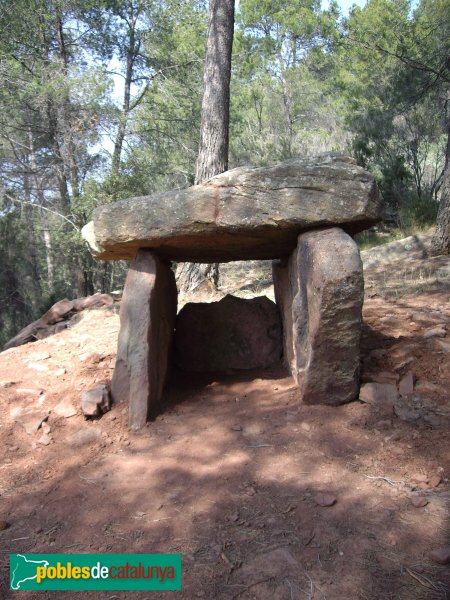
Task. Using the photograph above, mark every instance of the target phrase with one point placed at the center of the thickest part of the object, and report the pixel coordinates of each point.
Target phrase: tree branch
(54, 212)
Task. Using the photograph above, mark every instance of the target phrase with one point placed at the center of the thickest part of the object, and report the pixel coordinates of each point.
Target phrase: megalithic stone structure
(302, 213)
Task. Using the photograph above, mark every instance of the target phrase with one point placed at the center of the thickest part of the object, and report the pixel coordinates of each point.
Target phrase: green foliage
(283, 103)
(166, 125)
(377, 236)
(417, 213)
(393, 107)
(284, 32)
(20, 297)
(304, 81)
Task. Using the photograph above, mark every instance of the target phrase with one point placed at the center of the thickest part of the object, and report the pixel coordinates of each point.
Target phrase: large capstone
(246, 213)
(234, 333)
(320, 292)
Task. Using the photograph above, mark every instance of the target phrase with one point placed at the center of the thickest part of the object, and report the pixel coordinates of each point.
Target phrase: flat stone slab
(243, 214)
(234, 333)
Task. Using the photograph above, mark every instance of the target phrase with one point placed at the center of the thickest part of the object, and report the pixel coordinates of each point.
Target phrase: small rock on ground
(45, 439)
(324, 499)
(434, 481)
(96, 401)
(441, 555)
(378, 393)
(30, 419)
(419, 501)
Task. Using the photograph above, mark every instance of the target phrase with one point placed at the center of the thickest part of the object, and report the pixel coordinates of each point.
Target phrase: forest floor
(232, 474)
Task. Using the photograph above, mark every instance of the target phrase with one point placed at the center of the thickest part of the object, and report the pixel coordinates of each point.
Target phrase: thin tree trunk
(440, 243)
(214, 129)
(48, 250)
(102, 276)
(123, 119)
(65, 119)
(288, 102)
(44, 215)
(33, 258)
(59, 165)
(31, 231)
(132, 52)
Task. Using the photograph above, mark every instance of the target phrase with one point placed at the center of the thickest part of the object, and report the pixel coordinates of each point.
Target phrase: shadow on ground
(228, 475)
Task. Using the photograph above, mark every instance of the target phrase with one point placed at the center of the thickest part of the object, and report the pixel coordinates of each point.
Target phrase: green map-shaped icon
(24, 570)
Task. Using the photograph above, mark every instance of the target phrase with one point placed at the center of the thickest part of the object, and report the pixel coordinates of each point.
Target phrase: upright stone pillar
(320, 292)
(147, 321)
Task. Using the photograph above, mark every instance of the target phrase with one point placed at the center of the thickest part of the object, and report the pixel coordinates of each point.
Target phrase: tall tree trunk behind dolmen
(214, 129)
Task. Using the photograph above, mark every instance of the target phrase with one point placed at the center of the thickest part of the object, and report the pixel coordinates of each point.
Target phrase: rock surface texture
(233, 333)
(147, 321)
(320, 293)
(246, 213)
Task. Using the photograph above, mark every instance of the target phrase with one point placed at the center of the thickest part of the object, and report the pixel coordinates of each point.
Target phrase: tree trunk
(48, 251)
(213, 150)
(59, 161)
(191, 275)
(31, 231)
(131, 52)
(214, 129)
(44, 217)
(130, 16)
(64, 117)
(288, 112)
(440, 243)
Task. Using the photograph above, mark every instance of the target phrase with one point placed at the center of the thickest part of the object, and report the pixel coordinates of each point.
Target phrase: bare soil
(230, 472)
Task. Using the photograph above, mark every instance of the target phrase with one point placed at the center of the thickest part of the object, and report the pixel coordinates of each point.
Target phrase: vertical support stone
(283, 299)
(147, 321)
(320, 292)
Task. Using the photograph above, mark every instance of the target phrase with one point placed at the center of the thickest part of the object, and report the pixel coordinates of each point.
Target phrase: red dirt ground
(228, 474)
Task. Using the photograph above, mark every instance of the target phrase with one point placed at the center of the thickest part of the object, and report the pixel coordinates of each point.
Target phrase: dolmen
(301, 213)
